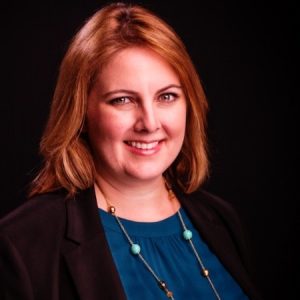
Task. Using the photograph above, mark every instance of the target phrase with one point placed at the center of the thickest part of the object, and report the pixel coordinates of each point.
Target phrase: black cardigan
(55, 248)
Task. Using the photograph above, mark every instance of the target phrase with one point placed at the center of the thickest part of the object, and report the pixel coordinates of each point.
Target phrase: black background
(246, 53)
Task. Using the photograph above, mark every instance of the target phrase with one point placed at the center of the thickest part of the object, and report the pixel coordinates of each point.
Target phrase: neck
(143, 201)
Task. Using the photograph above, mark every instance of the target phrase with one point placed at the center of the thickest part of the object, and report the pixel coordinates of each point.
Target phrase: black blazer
(54, 248)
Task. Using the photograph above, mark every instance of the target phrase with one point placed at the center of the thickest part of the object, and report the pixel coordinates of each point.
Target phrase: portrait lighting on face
(136, 116)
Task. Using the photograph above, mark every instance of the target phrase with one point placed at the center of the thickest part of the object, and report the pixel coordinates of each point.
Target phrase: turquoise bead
(135, 249)
(187, 234)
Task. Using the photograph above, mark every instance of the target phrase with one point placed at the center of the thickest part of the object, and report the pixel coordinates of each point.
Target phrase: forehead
(136, 66)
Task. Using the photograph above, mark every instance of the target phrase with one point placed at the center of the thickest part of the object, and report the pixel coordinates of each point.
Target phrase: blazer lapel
(87, 253)
(217, 237)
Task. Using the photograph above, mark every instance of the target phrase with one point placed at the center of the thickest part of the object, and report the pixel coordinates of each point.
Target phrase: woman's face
(136, 116)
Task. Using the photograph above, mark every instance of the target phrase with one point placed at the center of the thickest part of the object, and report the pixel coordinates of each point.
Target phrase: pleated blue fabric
(170, 256)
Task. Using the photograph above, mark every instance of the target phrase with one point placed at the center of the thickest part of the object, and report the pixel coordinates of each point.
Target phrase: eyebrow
(133, 92)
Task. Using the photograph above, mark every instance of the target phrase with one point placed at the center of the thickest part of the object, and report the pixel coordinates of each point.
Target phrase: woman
(116, 212)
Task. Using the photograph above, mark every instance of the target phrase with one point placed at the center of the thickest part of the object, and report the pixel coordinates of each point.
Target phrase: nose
(147, 118)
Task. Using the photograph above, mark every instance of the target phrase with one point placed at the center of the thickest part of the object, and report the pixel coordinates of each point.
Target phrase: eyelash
(171, 97)
(120, 100)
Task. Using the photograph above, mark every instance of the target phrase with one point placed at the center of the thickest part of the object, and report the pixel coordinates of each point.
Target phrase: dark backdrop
(246, 54)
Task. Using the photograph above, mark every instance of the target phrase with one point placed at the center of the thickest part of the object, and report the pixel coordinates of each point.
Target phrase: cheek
(176, 122)
(106, 126)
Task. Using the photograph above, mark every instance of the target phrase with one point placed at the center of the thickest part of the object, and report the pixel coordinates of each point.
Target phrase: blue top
(170, 256)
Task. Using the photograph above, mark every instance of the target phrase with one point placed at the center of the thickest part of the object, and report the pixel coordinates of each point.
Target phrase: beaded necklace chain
(136, 250)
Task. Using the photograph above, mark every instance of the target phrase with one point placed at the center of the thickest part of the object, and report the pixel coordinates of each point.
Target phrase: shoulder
(210, 199)
(211, 207)
(31, 233)
(39, 214)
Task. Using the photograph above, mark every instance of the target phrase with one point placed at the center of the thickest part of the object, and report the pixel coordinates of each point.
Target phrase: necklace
(187, 235)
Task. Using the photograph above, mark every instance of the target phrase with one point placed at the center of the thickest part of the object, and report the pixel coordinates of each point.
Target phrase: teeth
(144, 146)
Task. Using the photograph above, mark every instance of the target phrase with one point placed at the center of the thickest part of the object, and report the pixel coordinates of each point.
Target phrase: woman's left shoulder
(212, 207)
(212, 200)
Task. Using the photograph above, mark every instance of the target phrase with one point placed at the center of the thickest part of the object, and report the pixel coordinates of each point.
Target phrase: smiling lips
(143, 145)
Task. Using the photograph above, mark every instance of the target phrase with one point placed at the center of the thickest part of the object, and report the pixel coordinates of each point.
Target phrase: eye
(168, 97)
(120, 101)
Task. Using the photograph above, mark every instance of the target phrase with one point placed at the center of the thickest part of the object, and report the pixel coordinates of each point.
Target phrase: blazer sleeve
(14, 279)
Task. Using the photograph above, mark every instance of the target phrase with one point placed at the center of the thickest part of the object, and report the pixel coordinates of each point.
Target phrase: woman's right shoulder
(35, 214)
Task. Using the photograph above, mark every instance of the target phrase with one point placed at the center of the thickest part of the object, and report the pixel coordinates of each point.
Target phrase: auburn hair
(64, 146)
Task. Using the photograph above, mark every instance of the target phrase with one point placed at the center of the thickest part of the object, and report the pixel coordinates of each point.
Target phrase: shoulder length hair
(67, 158)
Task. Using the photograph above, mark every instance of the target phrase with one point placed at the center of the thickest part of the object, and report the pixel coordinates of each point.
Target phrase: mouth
(143, 145)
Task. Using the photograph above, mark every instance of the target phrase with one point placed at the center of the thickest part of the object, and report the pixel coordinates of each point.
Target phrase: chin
(147, 174)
